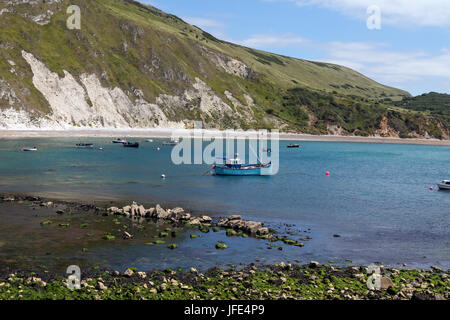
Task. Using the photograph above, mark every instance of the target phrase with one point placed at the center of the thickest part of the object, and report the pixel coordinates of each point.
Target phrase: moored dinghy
(85, 145)
(28, 149)
(131, 145)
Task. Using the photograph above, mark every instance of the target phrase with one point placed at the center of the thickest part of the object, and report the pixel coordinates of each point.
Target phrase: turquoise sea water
(377, 197)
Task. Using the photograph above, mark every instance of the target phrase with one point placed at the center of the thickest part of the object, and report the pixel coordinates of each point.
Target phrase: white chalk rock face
(89, 104)
(210, 103)
(84, 103)
(66, 97)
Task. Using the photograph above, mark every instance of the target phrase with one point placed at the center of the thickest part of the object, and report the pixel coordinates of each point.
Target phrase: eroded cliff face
(84, 102)
(33, 95)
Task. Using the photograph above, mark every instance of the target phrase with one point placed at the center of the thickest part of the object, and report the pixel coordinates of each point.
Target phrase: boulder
(161, 213)
(251, 226)
(126, 209)
(235, 217)
(46, 204)
(150, 213)
(194, 270)
(178, 214)
(127, 235)
(262, 231)
(141, 211)
(386, 283)
(177, 211)
(195, 221)
(314, 264)
(115, 210)
(136, 210)
(128, 273)
(101, 286)
(36, 281)
(222, 223)
(205, 219)
(185, 216)
(235, 224)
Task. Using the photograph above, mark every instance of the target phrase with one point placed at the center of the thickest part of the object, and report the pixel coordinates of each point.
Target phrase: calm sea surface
(377, 197)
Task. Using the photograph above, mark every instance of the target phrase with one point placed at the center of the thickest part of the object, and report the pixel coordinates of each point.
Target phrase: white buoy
(163, 176)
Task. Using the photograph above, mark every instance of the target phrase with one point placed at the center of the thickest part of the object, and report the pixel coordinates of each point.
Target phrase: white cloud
(377, 61)
(399, 12)
(271, 40)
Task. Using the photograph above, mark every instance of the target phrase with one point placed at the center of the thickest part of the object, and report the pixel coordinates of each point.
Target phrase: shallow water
(376, 198)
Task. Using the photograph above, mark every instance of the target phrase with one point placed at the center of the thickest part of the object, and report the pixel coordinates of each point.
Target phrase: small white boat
(444, 185)
(172, 142)
(118, 140)
(149, 140)
(29, 149)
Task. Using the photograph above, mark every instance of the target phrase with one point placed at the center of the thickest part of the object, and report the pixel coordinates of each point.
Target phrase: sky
(400, 43)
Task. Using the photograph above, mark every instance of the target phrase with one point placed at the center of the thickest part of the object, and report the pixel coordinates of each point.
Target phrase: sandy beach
(167, 133)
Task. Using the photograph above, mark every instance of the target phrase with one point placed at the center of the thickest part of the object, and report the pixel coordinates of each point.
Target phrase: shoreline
(167, 133)
(311, 281)
(297, 281)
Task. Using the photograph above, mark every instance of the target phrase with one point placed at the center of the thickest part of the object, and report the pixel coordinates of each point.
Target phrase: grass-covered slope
(433, 104)
(136, 47)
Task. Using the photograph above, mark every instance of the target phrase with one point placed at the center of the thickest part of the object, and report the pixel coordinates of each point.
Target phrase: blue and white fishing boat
(234, 167)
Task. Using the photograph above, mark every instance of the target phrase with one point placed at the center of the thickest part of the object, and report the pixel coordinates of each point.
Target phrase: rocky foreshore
(178, 215)
(234, 225)
(253, 282)
(275, 282)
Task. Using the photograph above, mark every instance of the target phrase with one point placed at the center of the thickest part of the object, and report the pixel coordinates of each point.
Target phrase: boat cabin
(235, 163)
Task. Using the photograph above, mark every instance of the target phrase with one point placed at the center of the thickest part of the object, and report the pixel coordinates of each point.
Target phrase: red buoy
(431, 188)
(327, 173)
(213, 166)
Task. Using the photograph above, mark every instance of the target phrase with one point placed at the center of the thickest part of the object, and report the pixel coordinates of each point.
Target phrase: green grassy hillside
(133, 46)
(433, 104)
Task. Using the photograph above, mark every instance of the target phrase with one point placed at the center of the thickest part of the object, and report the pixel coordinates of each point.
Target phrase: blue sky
(410, 51)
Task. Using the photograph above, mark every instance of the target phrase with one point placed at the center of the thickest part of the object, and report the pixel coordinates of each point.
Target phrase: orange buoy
(327, 173)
